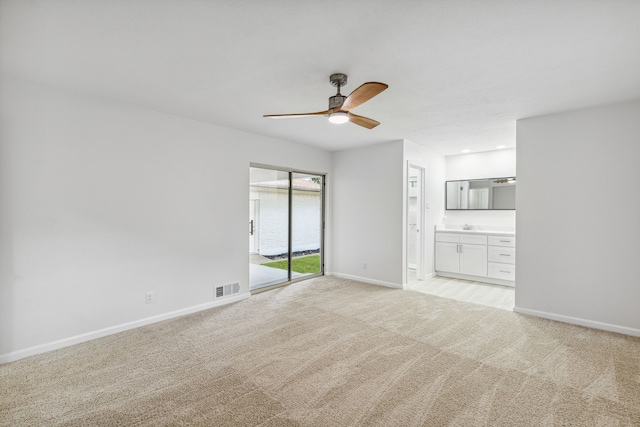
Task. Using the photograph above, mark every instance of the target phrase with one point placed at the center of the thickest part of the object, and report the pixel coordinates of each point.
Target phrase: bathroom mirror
(481, 194)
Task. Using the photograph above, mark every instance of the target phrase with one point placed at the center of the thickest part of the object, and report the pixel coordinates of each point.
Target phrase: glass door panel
(268, 227)
(307, 224)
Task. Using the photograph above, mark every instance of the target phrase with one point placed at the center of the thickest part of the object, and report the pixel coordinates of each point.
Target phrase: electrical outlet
(150, 297)
(364, 265)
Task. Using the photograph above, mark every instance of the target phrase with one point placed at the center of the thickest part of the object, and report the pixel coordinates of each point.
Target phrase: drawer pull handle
(505, 255)
(505, 241)
(503, 271)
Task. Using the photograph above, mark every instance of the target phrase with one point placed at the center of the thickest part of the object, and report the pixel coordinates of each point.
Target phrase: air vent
(226, 290)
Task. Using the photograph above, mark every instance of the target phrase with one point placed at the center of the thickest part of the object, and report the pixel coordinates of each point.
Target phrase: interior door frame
(420, 221)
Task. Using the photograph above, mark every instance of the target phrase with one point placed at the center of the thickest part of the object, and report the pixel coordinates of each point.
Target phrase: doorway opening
(415, 224)
(286, 226)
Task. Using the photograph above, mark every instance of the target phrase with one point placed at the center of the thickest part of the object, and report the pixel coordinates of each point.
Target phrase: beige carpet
(333, 352)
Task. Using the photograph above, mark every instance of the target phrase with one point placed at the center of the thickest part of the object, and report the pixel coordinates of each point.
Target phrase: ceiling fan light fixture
(340, 106)
(339, 117)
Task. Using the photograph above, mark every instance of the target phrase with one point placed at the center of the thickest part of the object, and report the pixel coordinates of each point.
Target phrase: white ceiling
(460, 73)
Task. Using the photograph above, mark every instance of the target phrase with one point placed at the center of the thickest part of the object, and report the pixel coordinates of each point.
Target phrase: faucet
(466, 227)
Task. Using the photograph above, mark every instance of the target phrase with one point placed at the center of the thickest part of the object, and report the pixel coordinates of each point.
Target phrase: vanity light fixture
(511, 180)
(339, 117)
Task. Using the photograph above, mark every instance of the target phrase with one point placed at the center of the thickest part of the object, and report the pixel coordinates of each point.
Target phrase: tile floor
(463, 290)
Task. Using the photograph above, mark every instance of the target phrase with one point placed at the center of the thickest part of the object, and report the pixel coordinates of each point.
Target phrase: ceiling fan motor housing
(336, 101)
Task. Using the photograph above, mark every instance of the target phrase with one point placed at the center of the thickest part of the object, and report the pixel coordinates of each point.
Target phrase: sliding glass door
(286, 221)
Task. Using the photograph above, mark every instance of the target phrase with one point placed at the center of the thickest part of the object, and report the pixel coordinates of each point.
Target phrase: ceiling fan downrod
(338, 80)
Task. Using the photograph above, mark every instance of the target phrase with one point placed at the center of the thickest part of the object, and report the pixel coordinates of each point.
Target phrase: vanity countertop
(476, 231)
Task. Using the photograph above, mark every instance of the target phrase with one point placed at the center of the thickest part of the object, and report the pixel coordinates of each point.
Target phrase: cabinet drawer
(502, 241)
(501, 271)
(502, 254)
(473, 239)
(447, 237)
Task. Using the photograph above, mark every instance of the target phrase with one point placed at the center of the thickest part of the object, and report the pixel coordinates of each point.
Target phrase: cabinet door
(447, 257)
(473, 260)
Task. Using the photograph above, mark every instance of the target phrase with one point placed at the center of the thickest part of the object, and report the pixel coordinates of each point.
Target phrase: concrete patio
(261, 276)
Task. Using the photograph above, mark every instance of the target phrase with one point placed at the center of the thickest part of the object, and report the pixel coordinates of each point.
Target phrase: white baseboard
(426, 277)
(65, 342)
(581, 322)
(477, 279)
(429, 276)
(367, 280)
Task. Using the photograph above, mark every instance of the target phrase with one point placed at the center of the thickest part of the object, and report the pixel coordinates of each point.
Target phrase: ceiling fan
(340, 106)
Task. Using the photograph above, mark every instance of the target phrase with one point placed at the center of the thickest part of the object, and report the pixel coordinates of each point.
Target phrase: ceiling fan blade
(293, 116)
(362, 94)
(363, 121)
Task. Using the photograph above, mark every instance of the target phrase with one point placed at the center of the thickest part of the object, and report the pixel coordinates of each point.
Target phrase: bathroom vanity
(480, 255)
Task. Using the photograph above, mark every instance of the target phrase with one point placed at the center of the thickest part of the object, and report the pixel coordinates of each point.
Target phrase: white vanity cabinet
(476, 256)
(460, 253)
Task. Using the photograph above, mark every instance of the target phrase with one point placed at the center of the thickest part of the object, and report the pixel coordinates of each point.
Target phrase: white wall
(578, 217)
(103, 201)
(368, 213)
(434, 166)
(489, 164)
